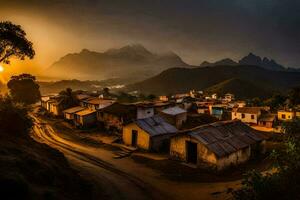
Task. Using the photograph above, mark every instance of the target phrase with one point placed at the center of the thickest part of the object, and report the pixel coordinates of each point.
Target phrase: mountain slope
(182, 79)
(241, 88)
(266, 63)
(132, 61)
(225, 61)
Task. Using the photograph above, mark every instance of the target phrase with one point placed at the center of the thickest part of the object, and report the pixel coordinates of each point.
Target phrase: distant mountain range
(250, 59)
(244, 81)
(131, 62)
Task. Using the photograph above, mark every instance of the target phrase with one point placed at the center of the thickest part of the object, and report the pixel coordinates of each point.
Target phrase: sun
(1, 68)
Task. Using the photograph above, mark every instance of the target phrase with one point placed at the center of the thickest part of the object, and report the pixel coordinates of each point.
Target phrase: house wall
(86, 120)
(178, 151)
(143, 138)
(175, 120)
(288, 115)
(266, 124)
(143, 113)
(247, 119)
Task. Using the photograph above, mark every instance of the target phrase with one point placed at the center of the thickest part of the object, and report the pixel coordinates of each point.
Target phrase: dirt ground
(158, 174)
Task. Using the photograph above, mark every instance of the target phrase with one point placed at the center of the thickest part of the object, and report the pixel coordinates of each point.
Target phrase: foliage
(284, 182)
(68, 98)
(13, 42)
(294, 96)
(291, 128)
(125, 97)
(276, 101)
(24, 89)
(13, 118)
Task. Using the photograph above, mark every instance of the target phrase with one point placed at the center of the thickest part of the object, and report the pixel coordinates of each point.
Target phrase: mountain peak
(225, 61)
(130, 50)
(252, 59)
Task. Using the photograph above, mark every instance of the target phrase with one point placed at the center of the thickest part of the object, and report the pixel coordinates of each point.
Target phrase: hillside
(182, 79)
(132, 61)
(243, 89)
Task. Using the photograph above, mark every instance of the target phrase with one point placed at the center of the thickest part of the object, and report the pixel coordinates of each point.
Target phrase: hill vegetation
(238, 79)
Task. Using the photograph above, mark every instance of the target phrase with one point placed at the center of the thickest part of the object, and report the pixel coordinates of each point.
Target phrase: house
(248, 114)
(267, 120)
(85, 118)
(220, 144)
(70, 113)
(175, 116)
(55, 106)
(214, 96)
(152, 134)
(163, 98)
(229, 97)
(218, 110)
(117, 115)
(96, 103)
(44, 100)
(285, 115)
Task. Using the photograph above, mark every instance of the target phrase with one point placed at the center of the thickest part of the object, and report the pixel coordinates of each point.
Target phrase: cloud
(196, 29)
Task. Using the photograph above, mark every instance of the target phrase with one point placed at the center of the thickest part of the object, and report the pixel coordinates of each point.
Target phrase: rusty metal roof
(74, 109)
(224, 138)
(155, 125)
(174, 111)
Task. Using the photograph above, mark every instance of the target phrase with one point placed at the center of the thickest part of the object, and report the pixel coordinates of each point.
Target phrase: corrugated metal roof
(224, 138)
(74, 109)
(155, 125)
(173, 111)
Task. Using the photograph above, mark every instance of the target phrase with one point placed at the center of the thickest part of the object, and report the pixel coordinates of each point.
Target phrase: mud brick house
(152, 134)
(220, 144)
(70, 113)
(248, 115)
(85, 118)
(267, 120)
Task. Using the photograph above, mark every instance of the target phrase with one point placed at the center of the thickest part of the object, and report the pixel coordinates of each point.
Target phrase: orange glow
(1, 68)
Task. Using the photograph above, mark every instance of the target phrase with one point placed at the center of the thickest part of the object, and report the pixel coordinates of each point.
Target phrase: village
(205, 131)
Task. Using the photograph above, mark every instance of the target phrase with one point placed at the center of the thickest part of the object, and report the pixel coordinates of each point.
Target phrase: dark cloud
(196, 29)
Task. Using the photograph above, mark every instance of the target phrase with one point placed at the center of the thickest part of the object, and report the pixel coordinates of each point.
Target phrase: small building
(163, 98)
(285, 115)
(175, 116)
(70, 113)
(117, 115)
(214, 96)
(85, 118)
(229, 97)
(267, 120)
(55, 107)
(247, 114)
(96, 103)
(218, 110)
(152, 134)
(220, 144)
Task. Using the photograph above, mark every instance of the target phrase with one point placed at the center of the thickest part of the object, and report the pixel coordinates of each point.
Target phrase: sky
(196, 30)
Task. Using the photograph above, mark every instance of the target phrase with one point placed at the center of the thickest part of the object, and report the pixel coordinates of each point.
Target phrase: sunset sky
(194, 29)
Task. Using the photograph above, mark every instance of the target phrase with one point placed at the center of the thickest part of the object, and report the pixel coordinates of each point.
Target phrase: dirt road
(123, 178)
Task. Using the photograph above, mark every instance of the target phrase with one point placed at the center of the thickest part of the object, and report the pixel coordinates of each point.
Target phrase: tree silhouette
(13, 42)
(24, 89)
(69, 98)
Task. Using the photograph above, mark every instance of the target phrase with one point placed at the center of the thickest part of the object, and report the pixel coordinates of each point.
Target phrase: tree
(276, 101)
(294, 96)
(13, 42)
(24, 89)
(69, 98)
(13, 118)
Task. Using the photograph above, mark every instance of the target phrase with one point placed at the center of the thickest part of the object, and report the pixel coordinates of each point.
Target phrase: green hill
(243, 89)
(178, 80)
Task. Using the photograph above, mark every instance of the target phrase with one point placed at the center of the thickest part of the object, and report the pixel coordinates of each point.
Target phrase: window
(243, 115)
(283, 116)
(252, 116)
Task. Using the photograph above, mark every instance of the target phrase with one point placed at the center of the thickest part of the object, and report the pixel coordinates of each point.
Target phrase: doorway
(134, 135)
(192, 155)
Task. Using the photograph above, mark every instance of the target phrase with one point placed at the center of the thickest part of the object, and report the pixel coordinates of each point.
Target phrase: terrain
(30, 170)
(131, 61)
(242, 80)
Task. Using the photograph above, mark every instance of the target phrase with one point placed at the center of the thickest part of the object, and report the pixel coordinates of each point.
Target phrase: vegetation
(258, 81)
(284, 182)
(24, 89)
(69, 98)
(13, 42)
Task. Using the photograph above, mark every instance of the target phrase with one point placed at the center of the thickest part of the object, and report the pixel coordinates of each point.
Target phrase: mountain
(201, 78)
(252, 59)
(242, 88)
(226, 61)
(129, 62)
